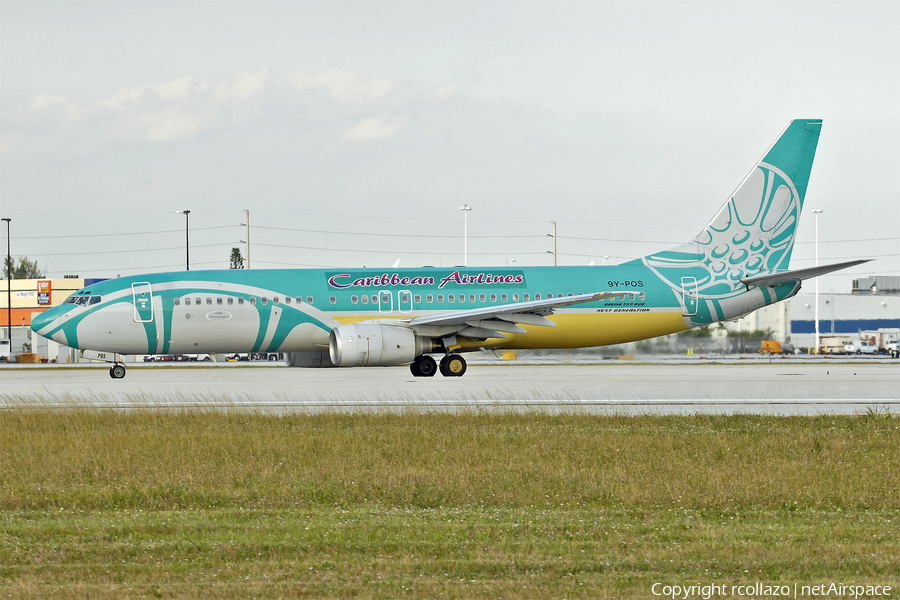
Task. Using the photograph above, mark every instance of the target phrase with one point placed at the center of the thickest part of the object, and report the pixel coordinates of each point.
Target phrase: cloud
(170, 124)
(246, 85)
(372, 129)
(47, 101)
(451, 88)
(176, 89)
(346, 86)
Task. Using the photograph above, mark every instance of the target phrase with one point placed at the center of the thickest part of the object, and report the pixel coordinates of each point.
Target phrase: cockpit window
(95, 300)
(70, 300)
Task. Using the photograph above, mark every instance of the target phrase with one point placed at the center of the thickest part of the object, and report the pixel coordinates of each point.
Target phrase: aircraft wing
(490, 321)
(768, 279)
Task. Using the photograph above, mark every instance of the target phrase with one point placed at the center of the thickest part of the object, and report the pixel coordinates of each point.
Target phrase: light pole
(817, 212)
(187, 239)
(247, 211)
(8, 287)
(465, 208)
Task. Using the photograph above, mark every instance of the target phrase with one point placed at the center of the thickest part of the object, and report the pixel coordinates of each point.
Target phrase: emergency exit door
(143, 302)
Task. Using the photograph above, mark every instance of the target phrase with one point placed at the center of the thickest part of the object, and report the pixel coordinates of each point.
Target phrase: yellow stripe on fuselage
(573, 330)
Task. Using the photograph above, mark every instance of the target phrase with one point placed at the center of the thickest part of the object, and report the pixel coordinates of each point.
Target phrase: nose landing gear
(117, 371)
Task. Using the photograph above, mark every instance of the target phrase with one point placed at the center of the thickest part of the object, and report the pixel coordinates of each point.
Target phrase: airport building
(872, 304)
(27, 297)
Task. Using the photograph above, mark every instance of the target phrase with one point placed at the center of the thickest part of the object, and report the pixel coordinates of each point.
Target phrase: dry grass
(112, 504)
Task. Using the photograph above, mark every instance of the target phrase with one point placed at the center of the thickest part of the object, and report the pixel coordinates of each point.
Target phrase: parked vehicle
(881, 337)
(860, 347)
(198, 357)
(776, 347)
(833, 344)
(892, 347)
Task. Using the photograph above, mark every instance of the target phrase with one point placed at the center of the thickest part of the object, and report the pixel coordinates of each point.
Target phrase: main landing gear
(452, 365)
(117, 371)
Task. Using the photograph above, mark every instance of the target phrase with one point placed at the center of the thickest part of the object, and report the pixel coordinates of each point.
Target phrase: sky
(353, 132)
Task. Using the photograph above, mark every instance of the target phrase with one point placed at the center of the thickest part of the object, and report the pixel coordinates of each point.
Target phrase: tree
(237, 261)
(26, 269)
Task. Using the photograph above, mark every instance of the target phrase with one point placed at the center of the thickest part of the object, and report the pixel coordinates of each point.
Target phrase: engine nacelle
(375, 344)
(308, 360)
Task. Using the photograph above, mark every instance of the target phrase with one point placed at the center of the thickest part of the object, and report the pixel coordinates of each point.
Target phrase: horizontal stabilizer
(770, 279)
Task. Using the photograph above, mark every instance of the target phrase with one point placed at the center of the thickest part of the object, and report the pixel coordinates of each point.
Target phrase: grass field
(105, 504)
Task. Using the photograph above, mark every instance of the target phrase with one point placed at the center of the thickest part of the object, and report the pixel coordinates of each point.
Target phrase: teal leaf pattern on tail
(754, 232)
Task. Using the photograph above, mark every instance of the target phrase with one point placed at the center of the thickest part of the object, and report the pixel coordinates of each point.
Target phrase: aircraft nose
(41, 323)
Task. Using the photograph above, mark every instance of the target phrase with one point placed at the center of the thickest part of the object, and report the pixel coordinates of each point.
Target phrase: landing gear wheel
(453, 365)
(117, 371)
(427, 366)
(423, 366)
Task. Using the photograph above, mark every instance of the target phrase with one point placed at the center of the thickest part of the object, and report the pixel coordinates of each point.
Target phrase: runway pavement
(779, 387)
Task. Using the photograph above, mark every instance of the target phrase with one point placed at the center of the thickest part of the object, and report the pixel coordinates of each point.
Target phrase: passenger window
(240, 300)
(462, 297)
(441, 298)
(177, 301)
(374, 298)
(333, 299)
(197, 301)
(230, 301)
(642, 296)
(287, 299)
(561, 296)
(354, 299)
(417, 298)
(365, 299)
(451, 298)
(526, 298)
(482, 298)
(219, 301)
(472, 297)
(537, 296)
(429, 298)
(275, 300)
(309, 299)
(253, 300)
(299, 299)
(265, 300)
(569, 294)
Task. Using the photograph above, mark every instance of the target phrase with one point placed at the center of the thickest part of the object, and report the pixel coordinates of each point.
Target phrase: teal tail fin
(754, 231)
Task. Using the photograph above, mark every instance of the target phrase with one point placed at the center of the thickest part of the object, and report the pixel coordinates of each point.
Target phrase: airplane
(369, 317)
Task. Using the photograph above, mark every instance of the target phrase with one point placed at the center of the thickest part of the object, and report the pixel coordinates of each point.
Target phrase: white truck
(833, 344)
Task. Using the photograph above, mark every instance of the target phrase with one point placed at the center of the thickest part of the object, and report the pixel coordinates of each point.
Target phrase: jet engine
(309, 360)
(375, 344)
